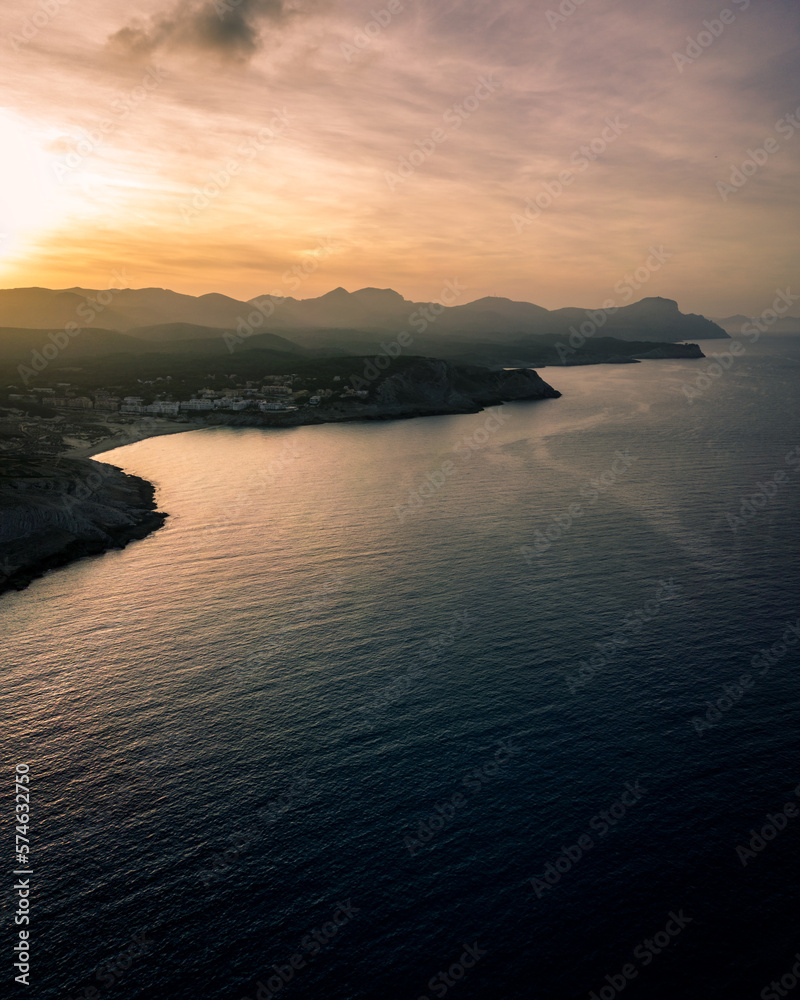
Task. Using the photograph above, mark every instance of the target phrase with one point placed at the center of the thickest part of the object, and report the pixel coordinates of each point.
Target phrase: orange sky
(215, 145)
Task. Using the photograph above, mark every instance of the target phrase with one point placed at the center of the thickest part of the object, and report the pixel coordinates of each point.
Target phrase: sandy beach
(130, 434)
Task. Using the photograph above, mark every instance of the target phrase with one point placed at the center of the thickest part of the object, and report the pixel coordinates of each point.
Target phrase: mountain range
(336, 318)
(732, 325)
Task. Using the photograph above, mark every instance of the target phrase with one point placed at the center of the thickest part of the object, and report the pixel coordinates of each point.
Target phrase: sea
(497, 705)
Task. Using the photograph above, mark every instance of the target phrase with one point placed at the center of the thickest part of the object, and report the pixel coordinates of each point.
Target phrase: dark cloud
(230, 29)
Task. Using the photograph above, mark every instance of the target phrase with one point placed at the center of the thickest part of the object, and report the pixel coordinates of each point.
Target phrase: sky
(538, 150)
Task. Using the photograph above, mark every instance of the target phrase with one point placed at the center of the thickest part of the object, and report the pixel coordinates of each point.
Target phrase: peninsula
(58, 505)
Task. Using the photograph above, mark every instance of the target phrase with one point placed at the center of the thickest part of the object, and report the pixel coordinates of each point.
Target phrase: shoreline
(160, 428)
(57, 511)
(277, 421)
(239, 421)
(62, 506)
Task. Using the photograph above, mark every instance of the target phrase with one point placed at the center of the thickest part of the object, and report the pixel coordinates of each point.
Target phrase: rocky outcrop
(660, 319)
(671, 351)
(56, 510)
(504, 386)
(426, 383)
(430, 385)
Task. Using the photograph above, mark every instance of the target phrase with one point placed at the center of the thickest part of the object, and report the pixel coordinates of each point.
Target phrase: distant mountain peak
(656, 301)
(215, 297)
(379, 294)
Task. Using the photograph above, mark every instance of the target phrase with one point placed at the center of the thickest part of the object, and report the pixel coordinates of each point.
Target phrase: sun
(30, 200)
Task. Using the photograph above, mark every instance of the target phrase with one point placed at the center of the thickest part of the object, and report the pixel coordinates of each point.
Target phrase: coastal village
(57, 416)
(278, 394)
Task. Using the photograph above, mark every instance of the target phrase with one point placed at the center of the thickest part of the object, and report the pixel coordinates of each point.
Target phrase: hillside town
(279, 394)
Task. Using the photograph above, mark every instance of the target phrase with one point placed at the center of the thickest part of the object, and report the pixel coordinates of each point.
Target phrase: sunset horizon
(399, 498)
(217, 146)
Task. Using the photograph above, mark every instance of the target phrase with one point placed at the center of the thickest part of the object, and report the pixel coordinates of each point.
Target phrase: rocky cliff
(413, 387)
(430, 385)
(55, 510)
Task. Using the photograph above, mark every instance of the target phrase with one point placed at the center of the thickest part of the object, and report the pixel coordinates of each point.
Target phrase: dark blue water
(322, 715)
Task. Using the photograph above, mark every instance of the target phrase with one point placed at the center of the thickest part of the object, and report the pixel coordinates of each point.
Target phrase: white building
(197, 404)
(162, 408)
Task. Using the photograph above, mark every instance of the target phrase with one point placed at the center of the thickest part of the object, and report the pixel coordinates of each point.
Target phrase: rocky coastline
(57, 510)
(58, 505)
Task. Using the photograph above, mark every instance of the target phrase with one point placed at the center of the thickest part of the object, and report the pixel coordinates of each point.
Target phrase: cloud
(229, 29)
(353, 120)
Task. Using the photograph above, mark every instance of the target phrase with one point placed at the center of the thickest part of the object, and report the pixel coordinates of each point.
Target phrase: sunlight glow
(29, 193)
